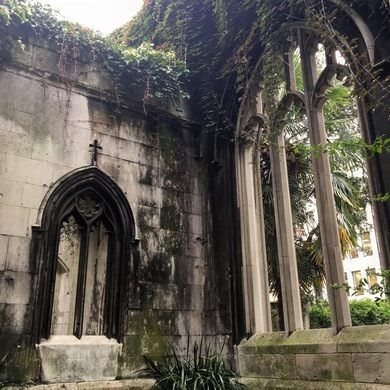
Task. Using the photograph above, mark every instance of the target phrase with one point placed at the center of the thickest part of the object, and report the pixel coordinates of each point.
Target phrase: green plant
(363, 312)
(320, 316)
(205, 370)
(368, 312)
(381, 289)
(158, 71)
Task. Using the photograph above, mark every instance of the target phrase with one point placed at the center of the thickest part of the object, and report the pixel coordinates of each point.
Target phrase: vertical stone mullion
(292, 308)
(330, 238)
(257, 259)
(255, 279)
(289, 70)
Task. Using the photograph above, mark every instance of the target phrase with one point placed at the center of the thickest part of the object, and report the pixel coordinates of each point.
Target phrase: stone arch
(122, 258)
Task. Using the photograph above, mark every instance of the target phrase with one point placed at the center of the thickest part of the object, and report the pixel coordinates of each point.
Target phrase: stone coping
(373, 338)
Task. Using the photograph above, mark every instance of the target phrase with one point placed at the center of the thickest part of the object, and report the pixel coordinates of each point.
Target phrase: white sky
(102, 15)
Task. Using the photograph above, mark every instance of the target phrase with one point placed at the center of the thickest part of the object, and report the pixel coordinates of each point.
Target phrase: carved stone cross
(94, 147)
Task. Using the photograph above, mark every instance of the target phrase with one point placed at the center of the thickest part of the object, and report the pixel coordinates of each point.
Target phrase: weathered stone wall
(46, 124)
(357, 358)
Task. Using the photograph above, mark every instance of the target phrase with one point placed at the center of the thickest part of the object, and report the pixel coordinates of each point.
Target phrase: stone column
(330, 238)
(255, 278)
(292, 308)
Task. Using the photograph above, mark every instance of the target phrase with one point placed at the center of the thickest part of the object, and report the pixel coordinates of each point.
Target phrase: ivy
(345, 146)
(159, 72)
(221, 41)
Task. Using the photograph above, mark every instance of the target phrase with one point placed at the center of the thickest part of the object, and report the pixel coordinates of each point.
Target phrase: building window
(79, 295)
(353, 254)
(366, 243)
(88, 258)
(346, 282)
(357, 277)
(371, 277)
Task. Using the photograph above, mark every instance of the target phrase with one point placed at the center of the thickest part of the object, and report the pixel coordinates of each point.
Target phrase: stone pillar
(255, 277)
(330, 238)
(292, 308)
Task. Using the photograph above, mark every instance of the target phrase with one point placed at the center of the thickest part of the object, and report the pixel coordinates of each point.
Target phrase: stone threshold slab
(128, 384)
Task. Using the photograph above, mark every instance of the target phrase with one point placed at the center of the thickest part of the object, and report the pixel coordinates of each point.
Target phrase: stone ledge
(301, 341)
(130, 384)
(375, 338)
(271, 384)
(355, 355)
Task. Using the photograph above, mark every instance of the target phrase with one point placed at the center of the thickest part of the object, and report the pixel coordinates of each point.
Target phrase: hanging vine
(159, 72)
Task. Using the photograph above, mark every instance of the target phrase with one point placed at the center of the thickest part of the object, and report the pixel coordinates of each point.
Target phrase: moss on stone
(147, 339)
(170, 217)
(144, 216)
(173, 243)
(21, 364)
(168, 148)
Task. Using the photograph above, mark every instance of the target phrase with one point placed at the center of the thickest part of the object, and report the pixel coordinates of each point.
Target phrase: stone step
(128, 384)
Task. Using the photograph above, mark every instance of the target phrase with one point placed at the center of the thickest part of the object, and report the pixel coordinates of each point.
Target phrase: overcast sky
(104, 16)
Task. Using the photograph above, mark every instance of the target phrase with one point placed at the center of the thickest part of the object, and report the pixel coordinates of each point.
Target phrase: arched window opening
(308, 74)
(87, 258)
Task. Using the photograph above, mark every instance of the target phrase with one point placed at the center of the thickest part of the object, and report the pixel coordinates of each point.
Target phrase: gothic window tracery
(85, 249)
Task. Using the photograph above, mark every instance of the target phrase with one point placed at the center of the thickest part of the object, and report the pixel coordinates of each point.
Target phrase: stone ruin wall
(46, 125)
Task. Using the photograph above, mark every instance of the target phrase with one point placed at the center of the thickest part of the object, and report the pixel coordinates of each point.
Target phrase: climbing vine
(159, 72)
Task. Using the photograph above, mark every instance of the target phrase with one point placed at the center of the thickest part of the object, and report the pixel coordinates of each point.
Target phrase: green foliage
(159, 71)
(320, 316)
(368, 312)
(363, 312)
(203, 371)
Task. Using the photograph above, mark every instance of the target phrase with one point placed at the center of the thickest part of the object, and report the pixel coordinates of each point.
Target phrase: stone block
(193, 204)
(58, 172)
(58, 153)
(373, 338)
(13, 320)
(11, 192)
(3, 251)
(189, 270)
(288, 384)
(33, 195)
(32, 220)
(26, 170)
(15, 287)
(157, 268)
(161, 322)
(134, 129)
(334, 367)
(195, 224)
(132, 384)
(15, 144)
(268, 366)
(5, 124)
(18, 257)
(194, 246)
(371, 367)
(189, 323)
(301, 341)
(14, 220)
(21, 102)
(68, 359)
